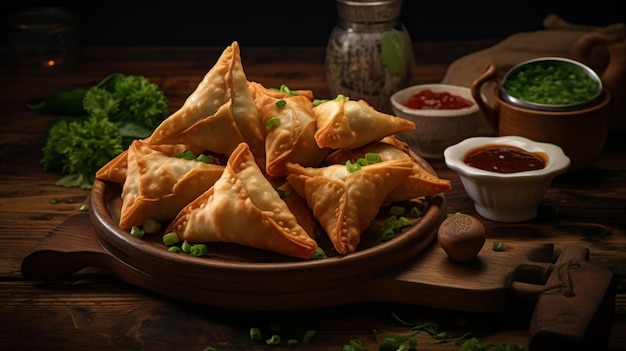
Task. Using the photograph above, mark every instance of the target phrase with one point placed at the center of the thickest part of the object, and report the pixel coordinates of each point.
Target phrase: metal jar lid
(507, 91)
(369, 11)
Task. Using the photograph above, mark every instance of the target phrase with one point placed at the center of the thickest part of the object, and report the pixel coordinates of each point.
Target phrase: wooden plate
(234, 269)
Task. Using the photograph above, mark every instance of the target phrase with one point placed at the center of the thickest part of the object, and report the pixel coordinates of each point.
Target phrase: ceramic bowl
(507, 197)
(436, 129)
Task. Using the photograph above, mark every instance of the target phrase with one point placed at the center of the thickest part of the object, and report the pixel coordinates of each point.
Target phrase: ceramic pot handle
(489, 112)
(613, 76)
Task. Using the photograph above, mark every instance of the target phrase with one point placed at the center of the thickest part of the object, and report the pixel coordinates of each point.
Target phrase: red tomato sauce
(426, 99)
(504, 159)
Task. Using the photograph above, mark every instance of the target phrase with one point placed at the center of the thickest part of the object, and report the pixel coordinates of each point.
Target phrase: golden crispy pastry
(346, 203)
(420, 183)
(291, 138)
(223, 87)
(349, 124)
(218, 133)
(243, 207)
(257, 89)
(298, 206)
(115, 169)
(158, 186)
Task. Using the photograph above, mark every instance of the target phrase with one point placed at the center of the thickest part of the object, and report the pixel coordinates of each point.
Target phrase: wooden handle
(489, 73)
(65, 251)
(574, 310)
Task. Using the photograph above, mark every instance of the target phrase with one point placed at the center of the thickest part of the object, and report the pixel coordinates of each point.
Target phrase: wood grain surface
(96, 309)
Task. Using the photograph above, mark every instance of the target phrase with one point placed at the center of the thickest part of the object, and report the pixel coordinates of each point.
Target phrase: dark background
(304, 22)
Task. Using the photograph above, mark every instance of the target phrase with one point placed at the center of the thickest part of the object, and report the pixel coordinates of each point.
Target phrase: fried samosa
(420, 183)
(344, 202)
(243, 207)
(290, 128)
(115, 169)
(223, 93)
(347, 124)
(158, 186)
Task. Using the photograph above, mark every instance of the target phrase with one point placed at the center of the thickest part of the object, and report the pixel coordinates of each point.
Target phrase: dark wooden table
(95, 310)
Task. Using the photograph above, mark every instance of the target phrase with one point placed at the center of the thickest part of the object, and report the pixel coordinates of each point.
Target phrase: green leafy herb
(79, 148)
(96, 124)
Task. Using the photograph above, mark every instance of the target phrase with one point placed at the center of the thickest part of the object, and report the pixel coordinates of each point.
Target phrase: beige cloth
(556, 40)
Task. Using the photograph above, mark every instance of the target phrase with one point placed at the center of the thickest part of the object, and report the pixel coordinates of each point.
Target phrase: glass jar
(369, 54)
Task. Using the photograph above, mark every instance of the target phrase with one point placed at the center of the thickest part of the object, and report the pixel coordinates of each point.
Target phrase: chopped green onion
(204, 158)
(187, 155)
(498, 246)
(352, 167)
(388, 234)
(273, 340)
(54, 201)
(403, 222)
(317, 102)
(283, 194)
(198, 250)
(292, 342)
(170, 239)
(353, 345)
(255, 334)
(415, 212)
(281, 103)
(209, 348)
(272, 122)
(319, 254)
(151, 226)
(186, 247)
(174, 249)
(285, 89)
(137, 232)
(84, 207)
(372, 157)
(362, 161)
(393, 225)
(308, 335)
(396, 210)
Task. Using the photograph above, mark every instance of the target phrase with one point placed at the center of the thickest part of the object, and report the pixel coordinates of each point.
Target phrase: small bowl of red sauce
(443, 115)
(507, 177)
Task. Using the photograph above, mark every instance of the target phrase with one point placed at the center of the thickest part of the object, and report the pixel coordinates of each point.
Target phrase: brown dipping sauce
(504, 159)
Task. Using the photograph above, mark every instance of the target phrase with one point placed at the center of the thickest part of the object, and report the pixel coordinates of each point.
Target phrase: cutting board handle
(575, 308)
(66, 250)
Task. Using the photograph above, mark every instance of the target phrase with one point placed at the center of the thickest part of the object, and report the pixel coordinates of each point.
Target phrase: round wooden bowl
(235, 276)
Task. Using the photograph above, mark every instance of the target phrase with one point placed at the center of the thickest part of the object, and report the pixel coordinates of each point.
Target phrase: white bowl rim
(399, 97)
(557, 163)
